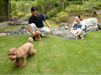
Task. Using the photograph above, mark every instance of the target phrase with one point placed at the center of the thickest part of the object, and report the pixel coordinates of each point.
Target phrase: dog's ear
(20, 53)
(40, 32)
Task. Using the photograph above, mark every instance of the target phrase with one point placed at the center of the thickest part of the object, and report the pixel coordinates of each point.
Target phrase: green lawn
(55, 55)
(9, 27)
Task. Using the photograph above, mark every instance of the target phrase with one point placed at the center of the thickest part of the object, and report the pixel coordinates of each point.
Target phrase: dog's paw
(21, 66)
(30, 39)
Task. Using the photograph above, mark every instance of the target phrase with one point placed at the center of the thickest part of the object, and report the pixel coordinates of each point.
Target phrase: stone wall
(4, 24)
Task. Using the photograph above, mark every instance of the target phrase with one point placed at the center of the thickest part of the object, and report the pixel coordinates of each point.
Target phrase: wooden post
(8, 9)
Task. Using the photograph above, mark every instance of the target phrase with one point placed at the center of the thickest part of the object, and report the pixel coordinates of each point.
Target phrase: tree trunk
(63, 1)
(81, 2)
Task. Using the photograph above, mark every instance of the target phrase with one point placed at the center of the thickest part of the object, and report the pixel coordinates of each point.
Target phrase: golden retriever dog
(20, 53)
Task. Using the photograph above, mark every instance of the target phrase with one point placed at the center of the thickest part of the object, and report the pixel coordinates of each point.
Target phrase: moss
(99, 17)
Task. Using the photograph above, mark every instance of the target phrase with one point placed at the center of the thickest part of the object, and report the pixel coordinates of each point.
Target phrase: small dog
(37, 36)
(20, 53)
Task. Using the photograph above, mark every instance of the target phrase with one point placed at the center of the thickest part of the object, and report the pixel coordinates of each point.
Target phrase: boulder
(99, 25)
(2, 34)
(15, 21)
(24, 23)
(91, 24)
(63, 32)
(98, 12)
(70, 36)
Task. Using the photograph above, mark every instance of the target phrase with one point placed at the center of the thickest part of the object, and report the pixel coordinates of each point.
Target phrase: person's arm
(71, 30)
(72, 27)
(30, 30)
(49, 26)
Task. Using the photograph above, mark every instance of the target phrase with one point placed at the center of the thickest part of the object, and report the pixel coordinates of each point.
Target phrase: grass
(55, 55)
(13, 27)
(9, 27)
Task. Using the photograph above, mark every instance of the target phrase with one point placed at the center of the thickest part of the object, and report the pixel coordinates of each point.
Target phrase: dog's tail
(30, 39)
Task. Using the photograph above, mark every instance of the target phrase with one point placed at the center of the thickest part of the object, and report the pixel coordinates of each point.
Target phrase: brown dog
(37, 36)
(20, 53)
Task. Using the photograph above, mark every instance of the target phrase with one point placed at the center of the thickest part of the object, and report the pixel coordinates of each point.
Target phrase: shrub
(28, 15)
(74, 10)
(75, 2)
(61, 17)
(53, 12)
(20, 14)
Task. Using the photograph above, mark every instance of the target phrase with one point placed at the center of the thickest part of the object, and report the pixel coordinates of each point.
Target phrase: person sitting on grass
(80, 26)
(36, 23)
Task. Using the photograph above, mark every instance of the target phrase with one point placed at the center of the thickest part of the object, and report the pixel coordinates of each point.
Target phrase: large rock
(20, 30)
(99, 25)
(15, 21)
(98, 12)
(92, 24)
(2, 34)
(24, 23)
(63, 32)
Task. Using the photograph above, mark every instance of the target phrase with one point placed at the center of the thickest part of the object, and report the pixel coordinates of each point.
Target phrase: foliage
(89, 6)
(53, 12)
(61, 17)
(75, 2)
(74, 9)
(28, 15)
(20, 14)
(14, 8)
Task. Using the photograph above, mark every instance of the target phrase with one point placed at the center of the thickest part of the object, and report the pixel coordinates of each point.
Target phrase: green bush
(28, 15)
(74, 10)
(53, 12)
(20, 14)
(75, 2)
(61, 17)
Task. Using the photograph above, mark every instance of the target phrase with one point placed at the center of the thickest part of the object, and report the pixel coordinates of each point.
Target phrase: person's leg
(44, 31)
(82, 34)
(74, 32)
(33, 27)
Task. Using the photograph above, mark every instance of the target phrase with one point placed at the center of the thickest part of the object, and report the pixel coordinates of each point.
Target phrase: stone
(15, 21)
(24, 23)
(91, 24)
(63, 24)
(23, 20)
(98, 12)
(62, 32)
(4, 24)
(2, 34)
(99, 25)
(70, 36)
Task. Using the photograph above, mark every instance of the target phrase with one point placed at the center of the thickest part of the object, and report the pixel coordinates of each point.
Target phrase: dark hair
(33, 8)
(79, 17)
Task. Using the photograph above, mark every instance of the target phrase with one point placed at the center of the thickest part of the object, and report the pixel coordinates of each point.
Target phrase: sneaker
(82, 38)
(41, 35)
